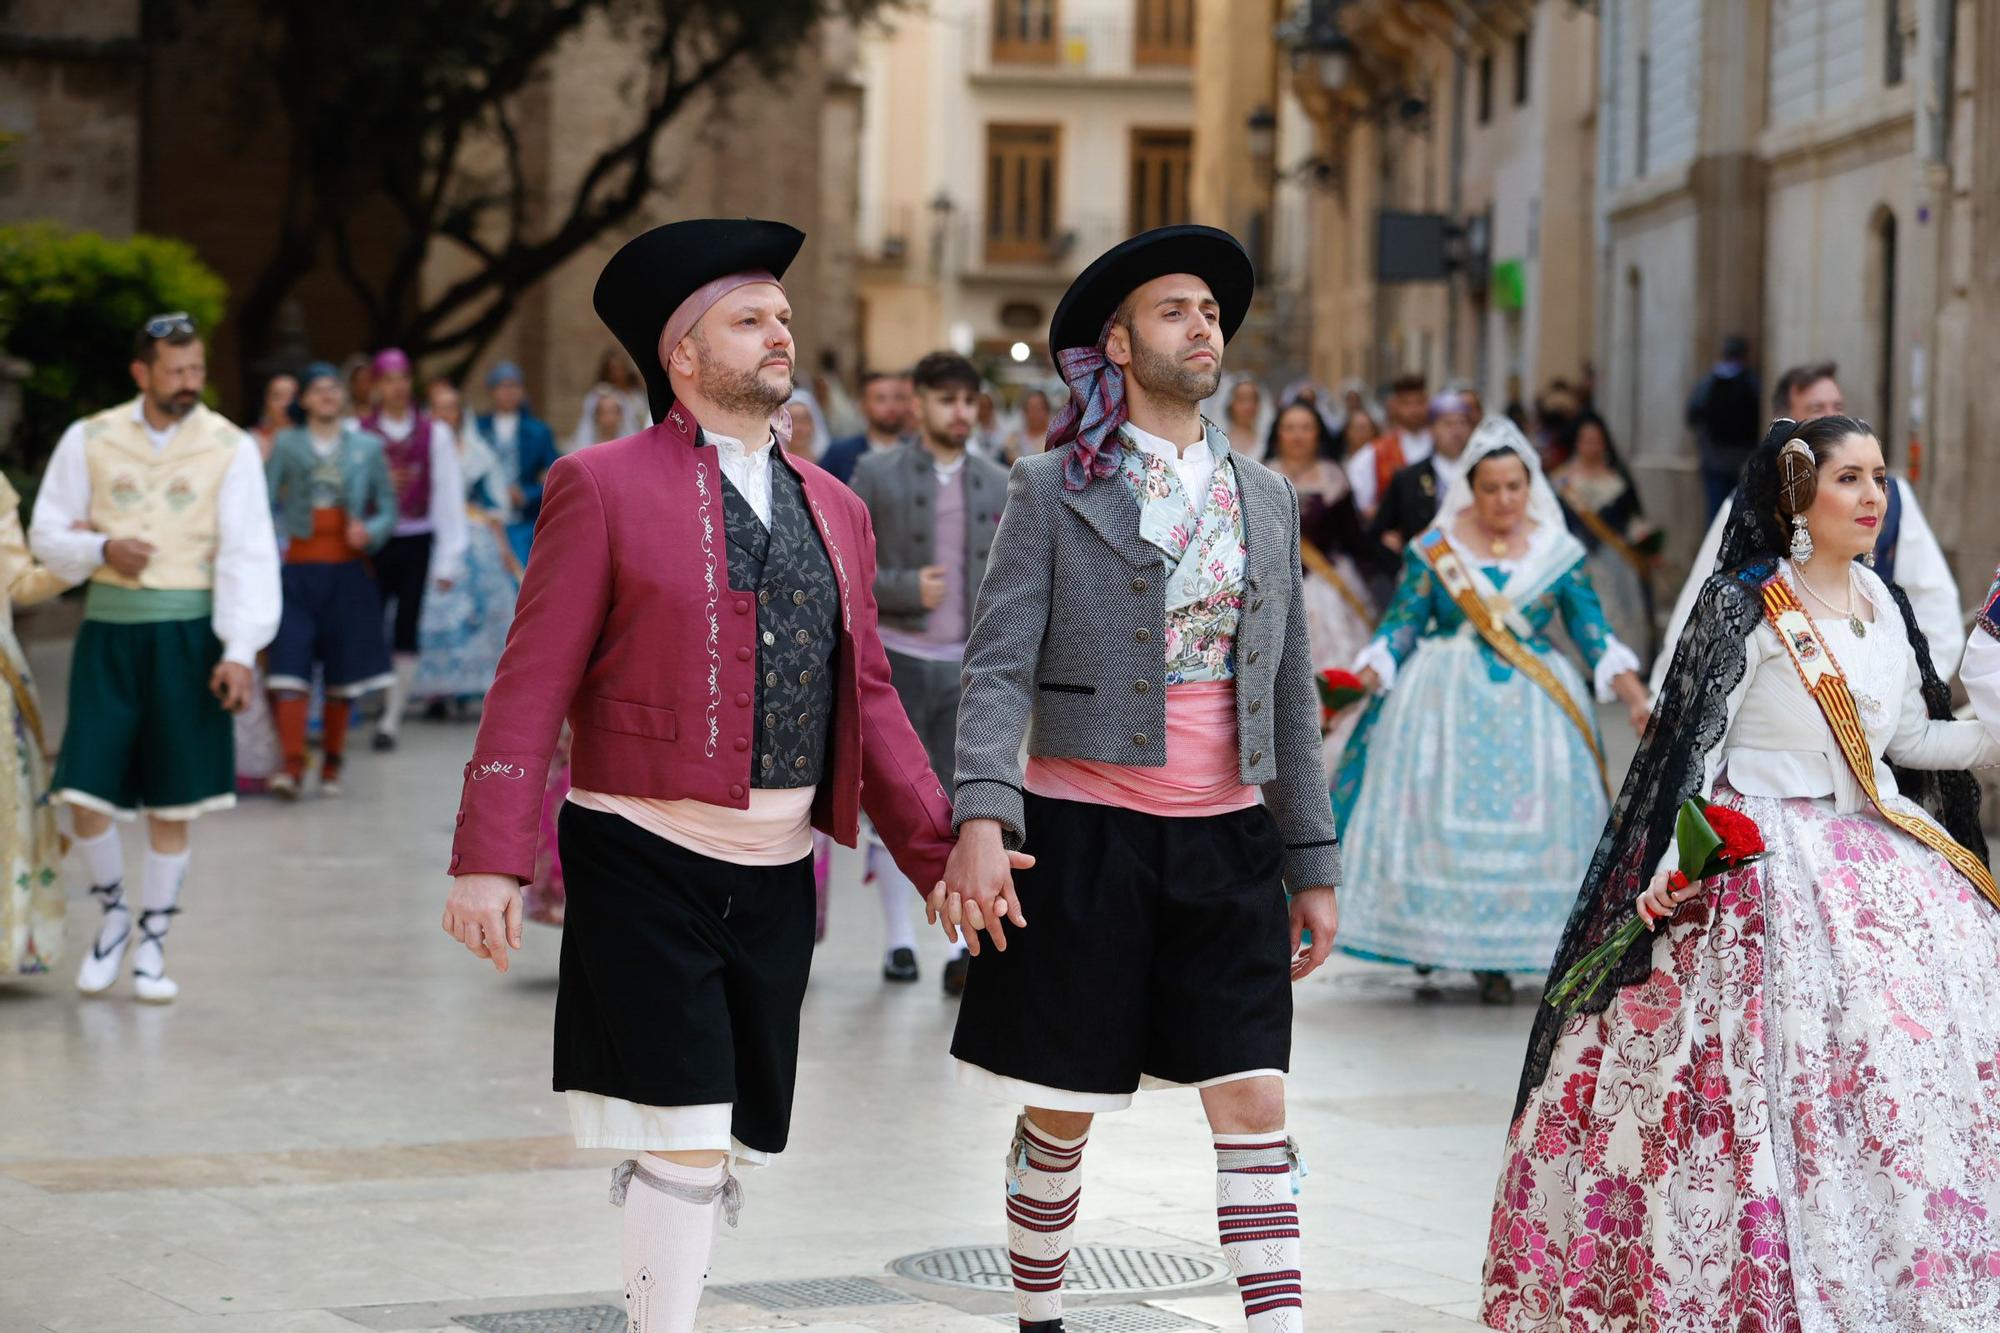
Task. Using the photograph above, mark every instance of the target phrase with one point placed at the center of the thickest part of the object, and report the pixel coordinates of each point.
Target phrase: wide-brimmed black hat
(1214, 256)
(655, 271)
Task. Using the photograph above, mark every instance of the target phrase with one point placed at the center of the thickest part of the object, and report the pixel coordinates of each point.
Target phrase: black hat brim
(655, 271)
(1212, 255)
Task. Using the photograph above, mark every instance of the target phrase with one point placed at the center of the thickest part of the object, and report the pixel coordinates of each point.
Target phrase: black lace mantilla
(1690, 718)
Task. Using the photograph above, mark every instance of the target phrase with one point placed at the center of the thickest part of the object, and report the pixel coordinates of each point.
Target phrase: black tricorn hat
(655, 271)
(1214, 256)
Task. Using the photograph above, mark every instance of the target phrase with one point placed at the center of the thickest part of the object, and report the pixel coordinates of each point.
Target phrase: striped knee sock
(1257, 1211)
(1044, 1179)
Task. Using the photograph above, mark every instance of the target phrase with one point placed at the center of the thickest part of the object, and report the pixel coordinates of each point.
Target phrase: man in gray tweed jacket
(1141, 624)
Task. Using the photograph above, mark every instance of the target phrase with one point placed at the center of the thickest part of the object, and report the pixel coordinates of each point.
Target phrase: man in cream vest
(161, 505)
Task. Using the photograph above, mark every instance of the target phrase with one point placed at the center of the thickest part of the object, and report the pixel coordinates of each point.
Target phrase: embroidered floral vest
(1202, 540)
(164, 496)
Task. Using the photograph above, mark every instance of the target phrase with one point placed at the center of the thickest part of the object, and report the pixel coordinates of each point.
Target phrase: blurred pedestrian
(336, 508)
(603, 419)
(31, 845)
(1413, 495)
(1407, 441)
(359, 372)
(464, 627)
(1726, 413)
(427, 547)
(1340, 610)
(616, 379)
(161, 504)
(1247, 413)
(809, 436)
(935, 506)
(526, 448)
(275, 410)
(259, 755)
(885, 406)
(1606, 514)
(1358, 432)
(1474, 789)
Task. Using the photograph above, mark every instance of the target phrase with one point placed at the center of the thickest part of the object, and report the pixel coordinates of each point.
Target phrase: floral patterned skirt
(1793, 1124)
(31, 847)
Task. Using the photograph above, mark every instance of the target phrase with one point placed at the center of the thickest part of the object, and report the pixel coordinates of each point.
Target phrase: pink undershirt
(775, 830)
(1201, 775)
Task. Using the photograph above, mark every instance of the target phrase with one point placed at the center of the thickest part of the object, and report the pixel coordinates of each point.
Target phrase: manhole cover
(814, 1293)
(1091, 1268)
(565, 1319)
(1118, 1319)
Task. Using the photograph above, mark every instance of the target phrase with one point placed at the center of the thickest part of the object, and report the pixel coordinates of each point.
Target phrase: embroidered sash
(1437, 552)
(1828, 687)
(1316, 563)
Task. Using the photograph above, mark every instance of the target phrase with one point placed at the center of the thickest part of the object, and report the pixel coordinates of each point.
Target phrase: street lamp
(941, 207)
(1320, 50)
(1263, 134)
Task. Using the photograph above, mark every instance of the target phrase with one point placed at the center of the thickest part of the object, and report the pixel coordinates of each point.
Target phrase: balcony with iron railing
(995, 251)
(1035, 42)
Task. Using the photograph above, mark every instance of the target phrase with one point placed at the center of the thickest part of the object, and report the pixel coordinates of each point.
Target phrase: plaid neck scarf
(1089, 421)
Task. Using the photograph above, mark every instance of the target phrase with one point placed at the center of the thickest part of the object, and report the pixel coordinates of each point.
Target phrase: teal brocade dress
(1467, 801)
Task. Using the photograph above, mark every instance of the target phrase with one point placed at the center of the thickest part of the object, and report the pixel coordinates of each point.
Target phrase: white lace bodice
(1779, 743)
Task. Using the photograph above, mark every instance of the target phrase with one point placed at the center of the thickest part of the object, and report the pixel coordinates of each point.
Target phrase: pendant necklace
(1854, 620)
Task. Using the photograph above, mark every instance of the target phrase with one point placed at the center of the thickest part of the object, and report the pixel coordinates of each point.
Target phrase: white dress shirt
(1194, 465)
(446, 518)
(246, 591)
(748, 470)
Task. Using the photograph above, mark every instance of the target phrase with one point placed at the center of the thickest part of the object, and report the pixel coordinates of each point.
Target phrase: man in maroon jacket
(700, 607)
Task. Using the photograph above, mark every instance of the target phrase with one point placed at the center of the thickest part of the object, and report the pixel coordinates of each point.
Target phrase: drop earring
(1802, 542)
(1869, 560)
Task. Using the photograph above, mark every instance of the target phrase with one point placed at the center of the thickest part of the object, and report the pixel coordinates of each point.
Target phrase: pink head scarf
(700, 301)
(391, 361)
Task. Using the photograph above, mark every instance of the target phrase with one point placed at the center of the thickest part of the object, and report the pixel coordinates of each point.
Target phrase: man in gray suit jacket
(935, 508)
(1142, 626)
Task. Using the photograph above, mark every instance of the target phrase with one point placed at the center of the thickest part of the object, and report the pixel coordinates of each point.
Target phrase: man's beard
(176, 404)
(739, 392)
(1162, 376)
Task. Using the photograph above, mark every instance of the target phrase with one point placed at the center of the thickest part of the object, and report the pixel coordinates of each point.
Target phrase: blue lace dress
(1468, 802)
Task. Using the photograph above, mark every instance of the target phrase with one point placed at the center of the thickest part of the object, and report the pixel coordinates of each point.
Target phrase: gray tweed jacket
(1067, 647)
(900, 488)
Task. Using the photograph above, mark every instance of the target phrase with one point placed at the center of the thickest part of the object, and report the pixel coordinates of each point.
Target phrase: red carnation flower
(1741, 838)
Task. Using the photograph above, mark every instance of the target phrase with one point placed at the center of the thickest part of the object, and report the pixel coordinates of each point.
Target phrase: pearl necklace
(1854, 621)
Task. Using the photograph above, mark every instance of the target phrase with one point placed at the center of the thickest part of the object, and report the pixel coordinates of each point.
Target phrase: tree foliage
(70, 303)
(397, 102)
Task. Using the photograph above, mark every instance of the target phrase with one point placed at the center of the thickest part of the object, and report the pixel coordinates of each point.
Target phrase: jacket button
(743, 606)
(461, 819)
(742, 699)
(805, 718)
(1255, 705)
(1257, 604)
(1138, 738)
(1251, 660)
(798, 598)
(454, 860)
(770, 721)
(800, 762)
(771, 680)
(1138, 585)
(742, 743)
(802, 637)
(767, 762)
(805, 677)
(763, 597)
(1256, 756)
(1140, 687)
(742, 654)
(1143, 635)
(770, 638)
(735, 791)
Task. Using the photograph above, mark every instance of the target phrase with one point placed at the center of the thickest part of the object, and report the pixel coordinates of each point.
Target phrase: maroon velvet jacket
(627, 626)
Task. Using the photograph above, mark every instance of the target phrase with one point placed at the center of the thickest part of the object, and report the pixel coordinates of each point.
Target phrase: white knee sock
(893, 887)
(1044, 1184)
(669, 1233)
(1257, 1212)
(104, 866)
(398, 698)
(159, 902)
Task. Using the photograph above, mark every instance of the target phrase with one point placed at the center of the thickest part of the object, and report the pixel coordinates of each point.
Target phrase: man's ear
(1118, 347)
(681, 359)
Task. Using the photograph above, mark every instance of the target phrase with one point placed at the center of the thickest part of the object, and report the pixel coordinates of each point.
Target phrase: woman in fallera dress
(1783, 1111)
(1602, 501)
(1473, 790)
(1340, 616)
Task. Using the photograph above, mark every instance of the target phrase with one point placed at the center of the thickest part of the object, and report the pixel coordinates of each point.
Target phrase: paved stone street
(346, 1122)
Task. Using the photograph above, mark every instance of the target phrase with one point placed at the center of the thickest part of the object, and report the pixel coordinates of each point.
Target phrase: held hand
(231, 683)
(357, 535)
(1639, 714)
(979, 885)
(931, 586)
(483, 913)
(1370, 678)
(1631, 691)
(1394, 541)
(1664, 896)
(1316, 910)
(128, 555)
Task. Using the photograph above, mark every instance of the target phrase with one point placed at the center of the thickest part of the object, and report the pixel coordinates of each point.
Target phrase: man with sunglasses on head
(161, 505)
